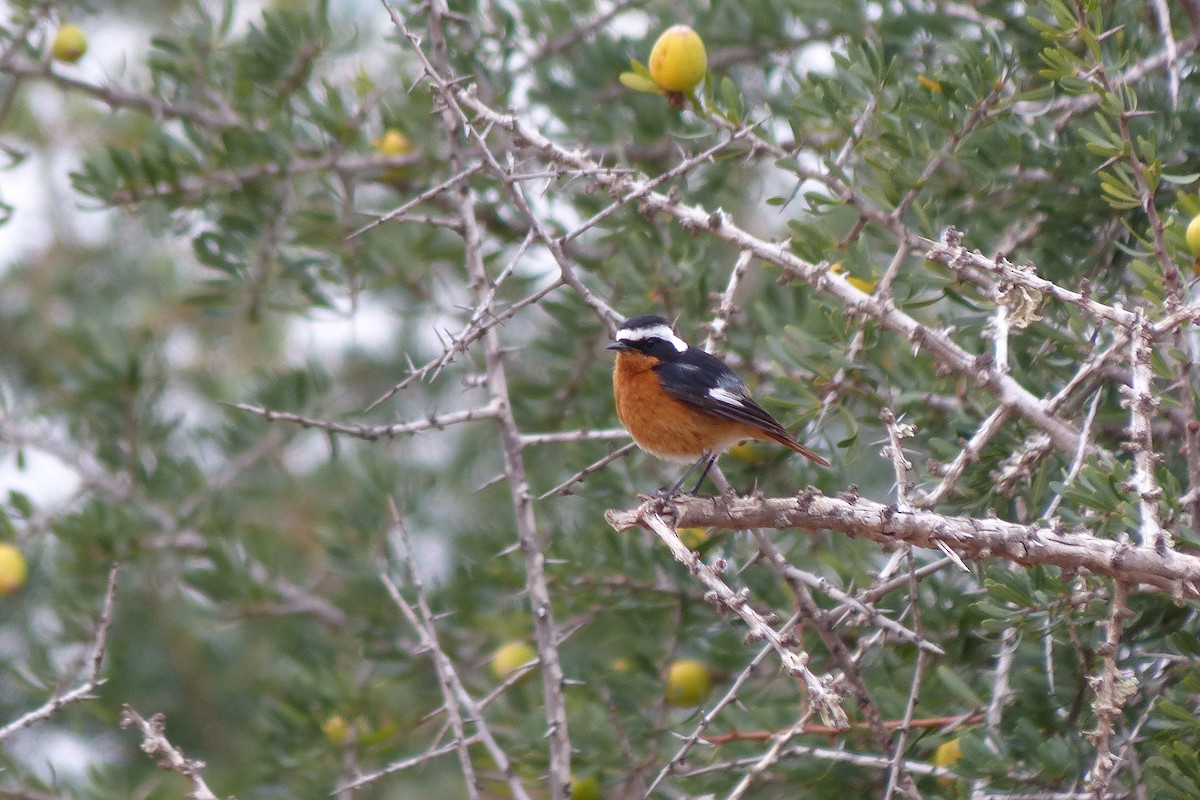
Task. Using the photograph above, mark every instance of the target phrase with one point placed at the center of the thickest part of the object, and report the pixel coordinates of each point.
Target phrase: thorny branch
(373, 433)
(1171, 572)
(827, 703)
(156, 743)
(496, 380)
(85, 690)
(1113, 687)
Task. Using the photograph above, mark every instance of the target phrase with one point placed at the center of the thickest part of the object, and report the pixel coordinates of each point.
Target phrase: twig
(85, 690)
(827, 703)
(450, 183)
(851, 673)
(1141, 404)
(852, 603)
(461, 697)
(375, 432)
(716, 328)
(829, 754)
(1113, 687)
(117, 98)
(155, 743)
(582, 435)
(1000, 692)
(1077, 462)
(707, 717)
(423, 619)
(565, 486)
(987, 430)
(926, 723)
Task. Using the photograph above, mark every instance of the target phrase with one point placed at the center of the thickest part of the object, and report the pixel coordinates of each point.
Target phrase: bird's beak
(618, 346)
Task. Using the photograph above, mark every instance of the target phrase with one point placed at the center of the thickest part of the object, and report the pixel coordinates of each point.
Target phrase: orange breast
(662, 425)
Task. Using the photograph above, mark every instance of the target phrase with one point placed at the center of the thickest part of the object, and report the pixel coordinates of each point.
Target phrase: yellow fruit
(864, 286)
(1193, 236)
(746, 452)
(511, 656)
(678, 60)
(586, 788)
(692, 537)
(947, 755)
(13, 569)
(336, 729)
(688, 683)
(393, 143)
(70, 43)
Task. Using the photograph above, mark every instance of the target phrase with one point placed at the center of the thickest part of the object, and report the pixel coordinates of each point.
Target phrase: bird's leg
(674, 490)
(709, 459)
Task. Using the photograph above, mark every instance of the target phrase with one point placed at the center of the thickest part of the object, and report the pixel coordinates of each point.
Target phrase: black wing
(703, 381)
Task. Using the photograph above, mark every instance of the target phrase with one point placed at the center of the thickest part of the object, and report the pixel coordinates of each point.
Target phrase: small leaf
(959, 687)
(639, 68)
(732, 100)
(638, 83)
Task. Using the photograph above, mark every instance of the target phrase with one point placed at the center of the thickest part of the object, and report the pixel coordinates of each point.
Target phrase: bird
(682, 404)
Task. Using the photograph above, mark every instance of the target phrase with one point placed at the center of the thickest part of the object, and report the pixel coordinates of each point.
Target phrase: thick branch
(1169, 571)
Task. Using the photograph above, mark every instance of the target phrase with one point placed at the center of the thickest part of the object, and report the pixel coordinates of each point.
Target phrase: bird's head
(650, 335)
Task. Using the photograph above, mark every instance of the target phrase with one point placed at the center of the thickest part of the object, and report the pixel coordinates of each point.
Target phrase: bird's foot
(663, 503)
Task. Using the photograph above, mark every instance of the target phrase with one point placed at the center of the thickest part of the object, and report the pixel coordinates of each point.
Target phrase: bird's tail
(792, 444)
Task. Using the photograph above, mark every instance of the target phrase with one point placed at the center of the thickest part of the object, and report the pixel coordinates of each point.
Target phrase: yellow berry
(863, 285)
(746, 453)
(393, 143)
(509, 657)
(70, 43)
(947, 755)
(1193, 236)
(13, 569)
(688, 683)
(586, 788)
(692, 537)
(678, 60)
(336, 729)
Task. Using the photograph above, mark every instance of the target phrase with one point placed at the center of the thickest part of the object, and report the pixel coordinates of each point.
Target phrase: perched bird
(682, 404)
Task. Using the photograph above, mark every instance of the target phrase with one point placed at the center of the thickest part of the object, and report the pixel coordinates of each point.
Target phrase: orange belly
(664, 426)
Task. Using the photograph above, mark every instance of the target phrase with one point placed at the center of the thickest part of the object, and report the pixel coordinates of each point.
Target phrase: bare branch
(85, 690)
(1142, 404)
(825, 700)
(375, 432)
(117, 98)
(155, 743)
(1113, 687)
(1175, 573)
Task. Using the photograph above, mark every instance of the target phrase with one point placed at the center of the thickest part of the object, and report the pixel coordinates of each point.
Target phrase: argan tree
(306, 412)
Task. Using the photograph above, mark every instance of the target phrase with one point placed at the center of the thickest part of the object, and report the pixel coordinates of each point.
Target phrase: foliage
(215, 273)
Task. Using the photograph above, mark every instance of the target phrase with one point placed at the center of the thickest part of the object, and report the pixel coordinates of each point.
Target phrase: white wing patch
(725, 396)
(654, 332)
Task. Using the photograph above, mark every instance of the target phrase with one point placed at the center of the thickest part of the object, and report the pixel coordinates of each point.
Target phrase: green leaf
(958, 687)
(639, 83)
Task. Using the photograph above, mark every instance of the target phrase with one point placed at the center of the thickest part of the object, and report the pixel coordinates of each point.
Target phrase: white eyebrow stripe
(725, 396)
(655, 332)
